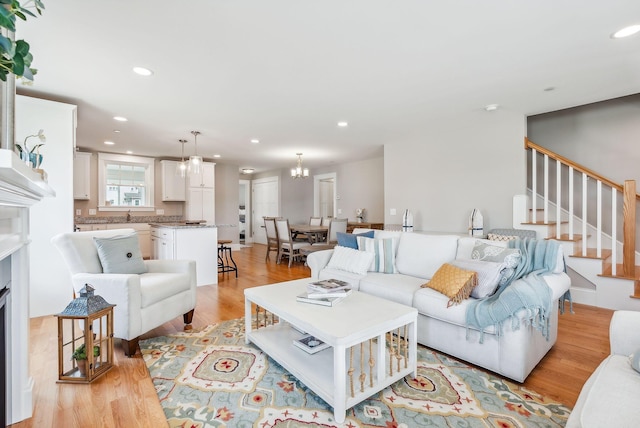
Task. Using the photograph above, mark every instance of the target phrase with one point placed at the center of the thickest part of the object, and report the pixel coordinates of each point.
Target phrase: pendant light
(181, 167)
(195, 161)
(299, 171)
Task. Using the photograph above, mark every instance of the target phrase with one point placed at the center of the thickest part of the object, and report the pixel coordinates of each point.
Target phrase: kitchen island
(179, 241)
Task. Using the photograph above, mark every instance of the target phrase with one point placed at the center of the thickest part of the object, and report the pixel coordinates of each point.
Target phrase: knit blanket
(525, 289)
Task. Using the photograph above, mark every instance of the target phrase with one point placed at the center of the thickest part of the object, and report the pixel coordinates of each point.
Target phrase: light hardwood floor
(125, 396)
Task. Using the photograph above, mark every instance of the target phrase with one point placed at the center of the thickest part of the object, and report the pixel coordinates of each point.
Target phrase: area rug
(210, 378)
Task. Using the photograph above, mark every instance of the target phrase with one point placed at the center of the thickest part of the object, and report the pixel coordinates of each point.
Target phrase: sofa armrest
(317, 261)
(624, 332)
(122, 290)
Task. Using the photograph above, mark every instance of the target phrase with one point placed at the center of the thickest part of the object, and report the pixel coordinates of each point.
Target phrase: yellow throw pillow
(453, 282)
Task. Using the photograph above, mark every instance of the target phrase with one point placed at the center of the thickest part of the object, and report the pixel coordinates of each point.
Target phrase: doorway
(244, 211)
(325, 195)
(265, 201)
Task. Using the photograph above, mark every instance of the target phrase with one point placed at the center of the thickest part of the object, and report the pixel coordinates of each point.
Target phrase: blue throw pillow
(350, 240)
(120, 254)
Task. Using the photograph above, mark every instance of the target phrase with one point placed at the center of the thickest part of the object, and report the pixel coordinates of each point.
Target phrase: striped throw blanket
(526, 289)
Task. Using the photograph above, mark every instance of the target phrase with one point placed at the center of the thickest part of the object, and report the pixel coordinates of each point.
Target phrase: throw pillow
(384, 251)
(509, 257)
(120, 254)
(488, 276)
(350, 260)
(496, 237)
(634, 359)
(453, 282)
(350, 239)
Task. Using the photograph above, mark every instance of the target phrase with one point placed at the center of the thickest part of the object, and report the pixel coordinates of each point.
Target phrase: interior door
(265, 204)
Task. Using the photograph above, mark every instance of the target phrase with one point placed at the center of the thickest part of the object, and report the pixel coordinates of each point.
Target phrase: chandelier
(181, 167)
(195, 161)
(299, 171)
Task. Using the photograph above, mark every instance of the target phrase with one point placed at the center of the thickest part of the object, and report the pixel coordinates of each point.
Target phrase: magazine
(322, 295)
(326, 285)
(319, 300)
(310, 344)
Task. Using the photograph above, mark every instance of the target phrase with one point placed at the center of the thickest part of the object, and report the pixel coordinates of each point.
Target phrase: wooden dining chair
(288, 247)
(272, 236)
(336, 225)
(326, 221)
(315, 221)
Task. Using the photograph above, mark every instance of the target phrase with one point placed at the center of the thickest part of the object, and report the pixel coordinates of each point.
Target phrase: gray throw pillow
(509, 257)
(488, 275)
(120, 254)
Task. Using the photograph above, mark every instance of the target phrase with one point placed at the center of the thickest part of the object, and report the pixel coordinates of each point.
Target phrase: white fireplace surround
(20, 188)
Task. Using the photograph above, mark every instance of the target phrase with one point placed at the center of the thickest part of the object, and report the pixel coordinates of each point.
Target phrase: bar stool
(225, 258)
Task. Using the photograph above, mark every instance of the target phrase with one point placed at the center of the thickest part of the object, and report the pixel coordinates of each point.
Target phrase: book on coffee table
(339, 293)
(318, 300)
(310, 344)
(327, 285)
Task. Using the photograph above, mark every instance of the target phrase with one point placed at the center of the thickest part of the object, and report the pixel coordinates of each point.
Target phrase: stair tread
(592, 253)
(606, 272)
(565, 237)
(542, 223)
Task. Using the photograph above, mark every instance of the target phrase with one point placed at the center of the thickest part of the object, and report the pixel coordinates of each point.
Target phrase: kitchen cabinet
(142, 229)
(188, 242)
(82, 176)
(200, 204)
(173, 185)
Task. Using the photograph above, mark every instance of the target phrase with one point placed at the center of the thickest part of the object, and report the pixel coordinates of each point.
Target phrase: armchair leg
(188, 318)
(130, 347)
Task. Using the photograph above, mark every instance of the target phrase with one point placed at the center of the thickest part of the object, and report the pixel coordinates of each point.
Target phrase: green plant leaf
(18, 65)
(6, 44)
(7, 19)
(22, 48)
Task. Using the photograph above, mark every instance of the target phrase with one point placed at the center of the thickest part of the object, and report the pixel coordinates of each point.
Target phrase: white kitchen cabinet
(173, 185)
(82, 175)
(200, 204)
(180, 242)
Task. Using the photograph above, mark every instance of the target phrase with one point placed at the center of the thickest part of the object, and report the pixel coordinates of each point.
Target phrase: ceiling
(286, 71)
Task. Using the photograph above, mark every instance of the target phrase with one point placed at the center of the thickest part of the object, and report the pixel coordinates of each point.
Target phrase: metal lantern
(85, 338)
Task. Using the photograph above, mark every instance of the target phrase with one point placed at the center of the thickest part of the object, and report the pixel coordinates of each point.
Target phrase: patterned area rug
(210, 378)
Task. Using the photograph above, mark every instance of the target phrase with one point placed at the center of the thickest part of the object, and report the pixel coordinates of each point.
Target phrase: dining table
(314, 233)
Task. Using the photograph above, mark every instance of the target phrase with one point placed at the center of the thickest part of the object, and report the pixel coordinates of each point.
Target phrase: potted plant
(15, 57)
(80, 355)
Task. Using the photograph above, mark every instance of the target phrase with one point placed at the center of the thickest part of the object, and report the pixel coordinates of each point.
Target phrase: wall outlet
(92, 211)
(78, 212)
(392, 211)
(159, 211)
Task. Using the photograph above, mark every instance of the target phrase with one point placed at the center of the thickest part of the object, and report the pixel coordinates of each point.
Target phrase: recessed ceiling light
(255, 141)
(247, 170)
(216, 156)
(549, 89)
(626, 32)
(129, 152)
(343, 124)
(142, 71)
(116, 131)
(120, 118)
(109, 143)
(491, 107)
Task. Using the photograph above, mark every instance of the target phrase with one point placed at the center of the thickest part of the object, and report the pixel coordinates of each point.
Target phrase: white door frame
(316, 192)
(256, 224)
(248, 236)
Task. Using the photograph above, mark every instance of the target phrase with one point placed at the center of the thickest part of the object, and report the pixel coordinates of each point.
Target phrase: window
(125, 182)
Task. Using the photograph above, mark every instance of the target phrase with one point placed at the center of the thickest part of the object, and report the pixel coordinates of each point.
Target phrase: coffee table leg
(339, 383)
(247, 320)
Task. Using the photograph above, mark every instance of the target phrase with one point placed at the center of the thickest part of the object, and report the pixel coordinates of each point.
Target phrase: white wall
(447, 172)
(227, 216)
(51, 288)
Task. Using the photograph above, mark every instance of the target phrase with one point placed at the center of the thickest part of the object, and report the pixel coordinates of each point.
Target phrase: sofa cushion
(397, 288)
(509, 257)
(350, 260)
(120, 254)
(488, 276)
(453, 282)
(156, 287)
(384, 254)
(422, 255)
(350, 239)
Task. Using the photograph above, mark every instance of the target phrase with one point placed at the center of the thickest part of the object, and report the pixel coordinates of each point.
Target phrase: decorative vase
(34, 160)
(82, 367)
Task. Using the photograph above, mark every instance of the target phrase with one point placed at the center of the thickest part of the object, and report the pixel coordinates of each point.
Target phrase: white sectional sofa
(512, 353)
(609, 398)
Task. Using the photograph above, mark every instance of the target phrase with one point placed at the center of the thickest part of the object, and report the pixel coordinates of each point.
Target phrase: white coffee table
(354, 328)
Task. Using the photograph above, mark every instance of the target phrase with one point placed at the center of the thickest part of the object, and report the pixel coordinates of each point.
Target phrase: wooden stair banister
(629, 229)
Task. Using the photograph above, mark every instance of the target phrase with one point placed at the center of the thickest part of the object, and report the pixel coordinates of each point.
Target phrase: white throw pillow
(350, 260)
(384, 252)
(488, 275)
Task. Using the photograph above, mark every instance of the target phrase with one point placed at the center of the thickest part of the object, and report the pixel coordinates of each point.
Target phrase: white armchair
(143, 301)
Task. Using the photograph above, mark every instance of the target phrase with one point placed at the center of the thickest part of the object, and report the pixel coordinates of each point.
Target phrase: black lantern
(85, 338)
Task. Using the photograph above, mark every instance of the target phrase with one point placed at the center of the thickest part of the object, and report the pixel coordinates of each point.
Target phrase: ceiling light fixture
(491, 107)
(195, 161)
(120, 118)
(181, 167)
(343, 124)
(255, 141)
(109, 143)
(216, 156)
(142, 71)
(129, 152)
(626, 32)
(247, 170)
(299, 171)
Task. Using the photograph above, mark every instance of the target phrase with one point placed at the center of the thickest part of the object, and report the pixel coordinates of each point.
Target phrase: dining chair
(315, 221)
(272, 236)
(326, 221)
(288, 247)
(336, 225)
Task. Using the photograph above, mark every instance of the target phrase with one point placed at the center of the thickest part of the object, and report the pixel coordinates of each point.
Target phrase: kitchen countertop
(181, 225)
(133, 219)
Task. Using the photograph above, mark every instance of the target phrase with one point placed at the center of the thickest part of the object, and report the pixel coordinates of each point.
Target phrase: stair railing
(629, 197)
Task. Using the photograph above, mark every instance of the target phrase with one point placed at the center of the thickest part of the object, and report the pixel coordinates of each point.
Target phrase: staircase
(565, 201)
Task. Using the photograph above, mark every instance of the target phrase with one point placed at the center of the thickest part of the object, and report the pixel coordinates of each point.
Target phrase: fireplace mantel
(20, 188)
